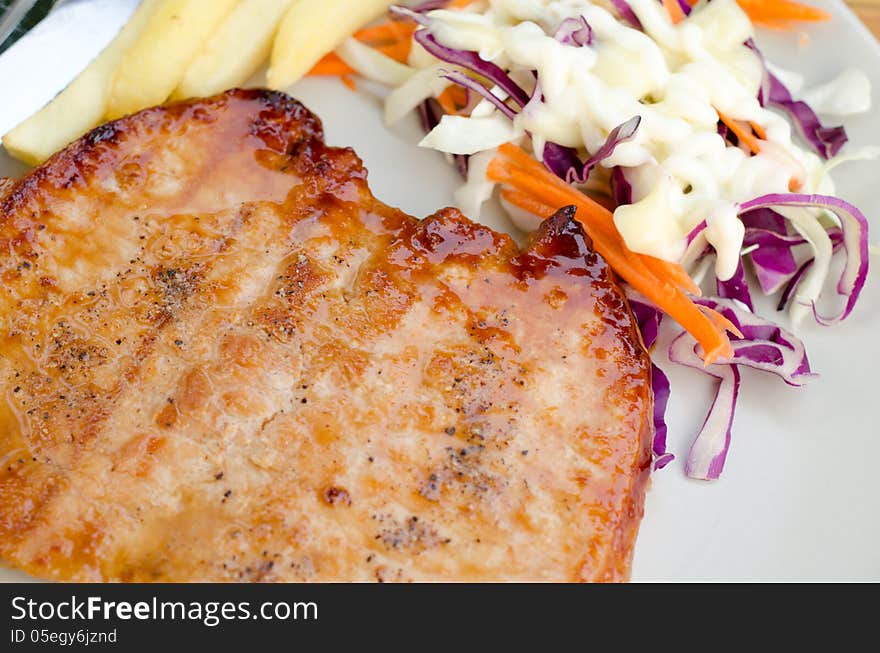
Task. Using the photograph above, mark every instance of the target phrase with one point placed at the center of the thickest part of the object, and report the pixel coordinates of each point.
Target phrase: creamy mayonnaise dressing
(676, 77)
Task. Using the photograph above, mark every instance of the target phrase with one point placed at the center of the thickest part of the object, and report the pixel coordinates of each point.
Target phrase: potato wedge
(236, 50)
(154, 65)
(81, 105)
(310, 30)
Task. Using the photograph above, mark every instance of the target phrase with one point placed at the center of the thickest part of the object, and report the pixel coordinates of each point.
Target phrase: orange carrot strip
(743, 133)
(775, 12)
(720, 321)
(672, 271)
(674, 10)
(528, 203)
(391, 38)
(447, 100)
(514, 167)
(397, 51)
(349, 82)
(392, 30)
(331, 65)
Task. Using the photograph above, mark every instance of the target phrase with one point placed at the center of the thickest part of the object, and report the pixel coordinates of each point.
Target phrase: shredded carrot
(445, 100)
(331, 65)
(673, 272)
(393, 38)
(774, 13)
(527, 203)
(674, 10)
(658, 267)
(389, 31)
(743, 133)
(535, 187)
(452, 99)
(720, 321)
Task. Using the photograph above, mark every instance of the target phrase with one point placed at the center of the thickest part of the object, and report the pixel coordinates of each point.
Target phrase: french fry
(236, 50)
(81, 105)
(155, 64)
(308, 32)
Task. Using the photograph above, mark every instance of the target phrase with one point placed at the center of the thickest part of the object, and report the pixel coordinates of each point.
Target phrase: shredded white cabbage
(462, 135)
(372, 64)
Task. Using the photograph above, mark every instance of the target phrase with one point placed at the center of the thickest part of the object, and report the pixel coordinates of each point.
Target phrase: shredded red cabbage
(648, 318)
(575, 32)
(621, 190)
(764, 346)
(737, 287)
(685, 7)
(473, 62)
(854, 228)
(626, 13)
(471, 84)
(564, 161)
(773, 262)
(827, 141)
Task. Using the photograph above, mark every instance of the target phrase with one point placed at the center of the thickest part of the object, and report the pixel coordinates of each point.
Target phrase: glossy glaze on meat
(222, 359)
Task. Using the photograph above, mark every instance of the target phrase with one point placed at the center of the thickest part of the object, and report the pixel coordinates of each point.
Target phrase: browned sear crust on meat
(222, 359)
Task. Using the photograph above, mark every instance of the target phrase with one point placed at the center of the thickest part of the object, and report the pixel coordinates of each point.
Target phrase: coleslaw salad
(684, 150)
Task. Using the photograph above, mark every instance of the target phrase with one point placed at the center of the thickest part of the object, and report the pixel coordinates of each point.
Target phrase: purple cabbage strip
(472, 61)
(685, 7)
(626, 13)
(648, 318)
(621, 190)
(764, 346)
(575, 32)
(854, 228)
(827, 141)
(736, 287)
(565, 164)
(793, 283)
(773, 261)
(696, 231)
(660, 384)
(430, 5)
(708, 453)
(473, 85)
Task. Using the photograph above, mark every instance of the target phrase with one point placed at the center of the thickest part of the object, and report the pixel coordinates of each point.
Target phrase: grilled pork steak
(222, 359)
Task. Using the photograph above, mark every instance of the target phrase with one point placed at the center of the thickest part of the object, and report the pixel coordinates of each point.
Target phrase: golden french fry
(236, 50)
(154, 65)
(81, 105)
(310, 30)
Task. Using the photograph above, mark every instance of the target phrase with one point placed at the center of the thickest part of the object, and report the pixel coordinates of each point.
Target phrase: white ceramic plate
(799, 499)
